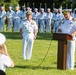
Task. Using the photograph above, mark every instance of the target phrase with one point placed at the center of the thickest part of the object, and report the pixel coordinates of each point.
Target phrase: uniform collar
(28, 21)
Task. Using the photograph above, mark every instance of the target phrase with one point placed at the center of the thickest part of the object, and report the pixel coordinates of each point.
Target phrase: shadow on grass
(12, 35)
(35, 67)
(16, 35)
(44, 36)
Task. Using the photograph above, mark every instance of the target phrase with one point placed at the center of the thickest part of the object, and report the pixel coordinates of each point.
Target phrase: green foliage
(8, 3)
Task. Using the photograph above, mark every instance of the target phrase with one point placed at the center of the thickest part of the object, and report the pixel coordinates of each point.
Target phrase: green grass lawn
(32, 67)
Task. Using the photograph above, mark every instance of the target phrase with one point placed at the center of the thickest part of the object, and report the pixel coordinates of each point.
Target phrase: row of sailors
(43, 20)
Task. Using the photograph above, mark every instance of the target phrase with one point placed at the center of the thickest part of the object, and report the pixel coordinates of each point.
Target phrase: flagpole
(27, 4)
(53, 5)
(33, 6)
(66, 6)
(45, 7)
(40, 7)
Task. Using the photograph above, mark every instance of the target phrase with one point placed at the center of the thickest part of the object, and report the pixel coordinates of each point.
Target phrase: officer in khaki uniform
(28, 32)
(68, 26)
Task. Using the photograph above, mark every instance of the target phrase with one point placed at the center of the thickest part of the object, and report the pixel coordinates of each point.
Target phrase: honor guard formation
(48, 21)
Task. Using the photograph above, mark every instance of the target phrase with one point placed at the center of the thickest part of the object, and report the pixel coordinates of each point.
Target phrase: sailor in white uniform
(2, 18)
(49, 16)
(35, 15)
(55, 19)
(41, 20)
(17, 19)
(23, 12)
(10, 14)
(28, 32)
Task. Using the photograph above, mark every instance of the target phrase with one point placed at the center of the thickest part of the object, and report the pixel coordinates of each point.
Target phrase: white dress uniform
(10, 15)
(35, 17)
(68, 27)
(49, 16)
(28, 29)
(2, 19)
(41, 19)
(17, 20)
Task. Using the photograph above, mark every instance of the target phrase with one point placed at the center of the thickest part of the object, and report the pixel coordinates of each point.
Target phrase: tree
(8, 3)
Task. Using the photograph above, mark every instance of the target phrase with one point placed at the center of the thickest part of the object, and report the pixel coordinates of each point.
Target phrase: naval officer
(28, 32)
(68, 26)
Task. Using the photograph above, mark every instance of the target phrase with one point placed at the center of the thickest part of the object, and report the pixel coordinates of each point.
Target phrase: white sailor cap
(35, 9)
(28, 8)
(10, 6)
(23, 6)
(70, 9)
(48, 9)
(42, 9)
(17, 6)
(2, 39)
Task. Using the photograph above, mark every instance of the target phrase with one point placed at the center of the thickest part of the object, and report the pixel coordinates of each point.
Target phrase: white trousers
(70, 54)
(27, 47)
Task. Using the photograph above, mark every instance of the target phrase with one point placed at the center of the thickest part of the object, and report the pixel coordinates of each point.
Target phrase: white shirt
(4, 62)
(28, 27)
(68, 26)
